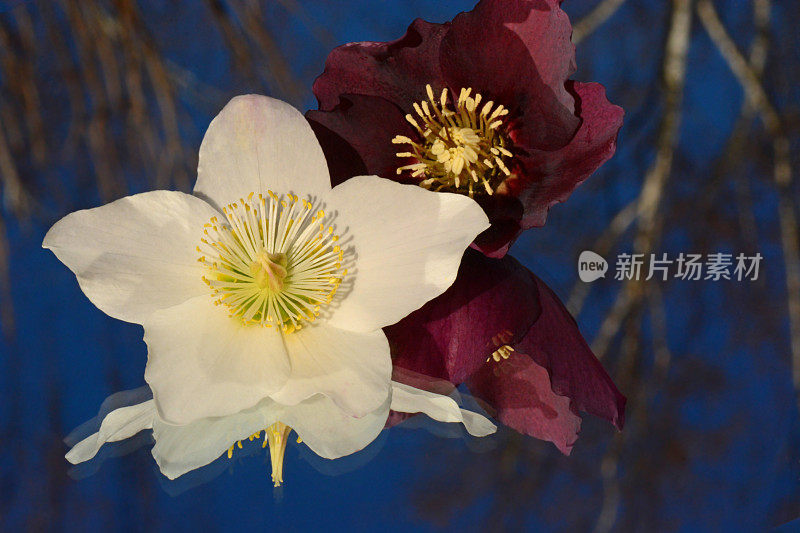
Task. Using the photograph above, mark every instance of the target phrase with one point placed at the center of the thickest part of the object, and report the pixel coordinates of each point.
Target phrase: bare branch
(588, 24)
(603, 245)
(738, 64)
(782, 171)
(650, 198)
(251, 18)
(14, 195)
(674, 73)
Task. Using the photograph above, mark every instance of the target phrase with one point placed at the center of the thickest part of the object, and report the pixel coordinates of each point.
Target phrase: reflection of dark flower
(504, 333)
(480, 105)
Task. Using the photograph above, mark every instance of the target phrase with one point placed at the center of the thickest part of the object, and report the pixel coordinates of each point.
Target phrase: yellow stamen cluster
(503, 350)
(276, 437)
(272, 261)
(462, 149)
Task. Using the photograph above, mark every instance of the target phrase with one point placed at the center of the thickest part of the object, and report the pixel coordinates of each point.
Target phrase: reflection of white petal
(182, 448)
(137, 254)
(118, 425)
(202, 363)
(330, 432)
(408, 244)
(325, 428)
(406, 399)
(258, 143)
(352, 369)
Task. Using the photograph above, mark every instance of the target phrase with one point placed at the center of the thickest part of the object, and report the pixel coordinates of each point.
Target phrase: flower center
(504, 350)
(272, 262)
(461, 149)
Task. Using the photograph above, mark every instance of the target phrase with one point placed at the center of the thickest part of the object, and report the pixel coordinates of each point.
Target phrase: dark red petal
(492, 302)
(356, 137)
(504, 213)
(495, 241)
(555, 343)
(551, 177)
(519, 391)
(495, 302)
(397, 71)
(518, 54)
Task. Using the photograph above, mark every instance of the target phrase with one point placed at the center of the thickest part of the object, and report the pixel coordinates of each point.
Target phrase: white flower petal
(202, 363)
(182, 448)
(325, 428)
(258, 143)
(118, 425)
(137, 254)
(408, 244)
(352, 369)
(330, 432)
(407, 399)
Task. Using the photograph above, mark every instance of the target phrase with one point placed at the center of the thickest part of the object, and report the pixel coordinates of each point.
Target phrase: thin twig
(6, 304)
(97, 134)
(251, 19)
(30, 91)
(14, 196)
(609, 466)
(603, 245)
(321, 32)
(596, 18)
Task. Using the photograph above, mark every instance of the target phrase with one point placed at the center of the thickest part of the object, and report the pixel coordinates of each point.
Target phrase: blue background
(712, 444)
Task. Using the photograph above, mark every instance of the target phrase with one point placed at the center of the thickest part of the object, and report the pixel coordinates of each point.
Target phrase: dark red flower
(504, 333)
(480, 105)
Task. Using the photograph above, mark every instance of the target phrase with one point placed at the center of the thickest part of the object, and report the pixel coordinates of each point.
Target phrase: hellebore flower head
(263, 294)
(480, 105)
(504, 333)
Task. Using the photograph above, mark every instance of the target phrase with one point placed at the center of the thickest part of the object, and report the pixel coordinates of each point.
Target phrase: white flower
(263, 295)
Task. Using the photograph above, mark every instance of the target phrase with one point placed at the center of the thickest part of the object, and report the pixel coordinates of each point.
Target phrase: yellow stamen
(458, 147)
(277, 437)
(504, 352)
(270, 261)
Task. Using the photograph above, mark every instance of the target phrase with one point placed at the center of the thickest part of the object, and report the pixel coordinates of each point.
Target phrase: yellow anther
(456, 146)
(266, 264)
(504, 352)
